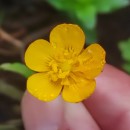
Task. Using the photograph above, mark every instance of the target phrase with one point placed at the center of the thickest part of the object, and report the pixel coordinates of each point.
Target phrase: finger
(110, 104)
(38, 115)
(78, 118)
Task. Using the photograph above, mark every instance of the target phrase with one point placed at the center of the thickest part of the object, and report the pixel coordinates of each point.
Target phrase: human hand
(107, 109)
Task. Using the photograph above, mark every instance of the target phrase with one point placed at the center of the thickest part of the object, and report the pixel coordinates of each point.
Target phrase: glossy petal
(38, 54)
(95, 60)
(79, 90)
(68, 37)
(42, 88)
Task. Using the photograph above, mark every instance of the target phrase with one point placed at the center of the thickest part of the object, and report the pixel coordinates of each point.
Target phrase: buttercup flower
(63, 65)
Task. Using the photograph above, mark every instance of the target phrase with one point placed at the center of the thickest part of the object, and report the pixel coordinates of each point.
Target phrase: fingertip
(111, 97)
(38, 115)
(78, 117)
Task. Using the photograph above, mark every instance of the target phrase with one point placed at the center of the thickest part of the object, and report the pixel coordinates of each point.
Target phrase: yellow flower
(63, 65)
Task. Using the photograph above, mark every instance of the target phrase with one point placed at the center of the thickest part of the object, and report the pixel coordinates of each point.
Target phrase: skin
(107, 109)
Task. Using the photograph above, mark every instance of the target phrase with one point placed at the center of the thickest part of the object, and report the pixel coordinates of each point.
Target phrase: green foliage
(124, 47)
(86, 10)
(126, 67)
(91, 35)
(17, 68)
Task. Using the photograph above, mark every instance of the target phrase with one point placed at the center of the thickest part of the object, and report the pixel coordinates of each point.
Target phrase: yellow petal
(78, 91)
(42, 88)
(38, 54)
(68, 37)
(95, 60)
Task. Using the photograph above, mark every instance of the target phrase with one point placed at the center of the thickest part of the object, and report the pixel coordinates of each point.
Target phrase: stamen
(53, 66)
(63, 74)
(62, 69)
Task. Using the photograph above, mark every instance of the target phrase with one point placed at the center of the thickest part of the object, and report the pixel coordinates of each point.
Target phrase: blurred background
(21, 22)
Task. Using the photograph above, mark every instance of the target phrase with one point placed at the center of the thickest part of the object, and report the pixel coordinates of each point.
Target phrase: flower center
(59, 71)
(63, 67)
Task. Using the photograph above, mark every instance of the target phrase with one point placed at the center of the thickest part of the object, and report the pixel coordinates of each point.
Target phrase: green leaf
(126, 67)
(17, 68)
(64, 5)
(87, 16)
(86, 11)
(56, 3)
(91, 36)
(103, 6)
(106, 6)
(124, 47)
